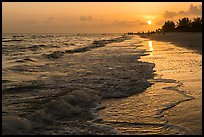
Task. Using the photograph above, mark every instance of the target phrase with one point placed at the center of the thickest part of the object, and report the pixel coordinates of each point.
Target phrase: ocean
(99, 84)
(47, 78)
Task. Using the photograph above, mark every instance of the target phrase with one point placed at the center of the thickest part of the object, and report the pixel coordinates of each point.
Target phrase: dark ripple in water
(36, 47)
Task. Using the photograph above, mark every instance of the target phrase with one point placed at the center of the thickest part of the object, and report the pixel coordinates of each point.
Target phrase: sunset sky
(92, 17)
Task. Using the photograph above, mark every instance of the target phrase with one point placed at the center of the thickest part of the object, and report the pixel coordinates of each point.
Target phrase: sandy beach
(173, 104)
(190, 40)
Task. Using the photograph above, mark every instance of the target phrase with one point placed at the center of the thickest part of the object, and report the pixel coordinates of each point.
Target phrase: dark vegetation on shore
(183, 25)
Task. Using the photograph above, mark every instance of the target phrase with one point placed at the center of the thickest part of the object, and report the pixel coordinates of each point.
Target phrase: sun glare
(149, 22)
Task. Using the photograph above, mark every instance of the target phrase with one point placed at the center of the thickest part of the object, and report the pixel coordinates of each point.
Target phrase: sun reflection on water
(150, 48)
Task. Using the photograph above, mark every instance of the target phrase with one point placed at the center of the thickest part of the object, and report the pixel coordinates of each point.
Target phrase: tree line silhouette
(183, 25)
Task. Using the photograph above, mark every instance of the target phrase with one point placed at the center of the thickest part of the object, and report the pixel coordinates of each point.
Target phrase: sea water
(52, 83)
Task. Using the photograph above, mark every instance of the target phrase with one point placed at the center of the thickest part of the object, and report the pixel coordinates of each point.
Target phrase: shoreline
(111, 71)
(115, 71)
(171, 106)
(189, 40)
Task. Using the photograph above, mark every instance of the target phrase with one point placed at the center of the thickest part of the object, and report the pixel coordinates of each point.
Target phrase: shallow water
(56, 90)
(172, 105)
(54, 84)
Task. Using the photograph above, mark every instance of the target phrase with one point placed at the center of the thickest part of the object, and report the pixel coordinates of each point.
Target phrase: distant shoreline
(189, 40)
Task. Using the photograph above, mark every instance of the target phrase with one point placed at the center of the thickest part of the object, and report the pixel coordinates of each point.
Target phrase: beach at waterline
(105, 89)
(173, 103)
(190, 40)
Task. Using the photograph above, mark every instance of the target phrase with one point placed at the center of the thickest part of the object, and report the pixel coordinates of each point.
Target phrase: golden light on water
(150, 47)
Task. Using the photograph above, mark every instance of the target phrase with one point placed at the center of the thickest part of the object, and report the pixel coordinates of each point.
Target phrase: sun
(149, 22)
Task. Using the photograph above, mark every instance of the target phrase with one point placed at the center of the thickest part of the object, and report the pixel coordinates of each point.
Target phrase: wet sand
(190, 40)
(172, 105)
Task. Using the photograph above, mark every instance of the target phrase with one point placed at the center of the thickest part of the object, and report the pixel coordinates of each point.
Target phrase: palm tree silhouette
(196, 25)
(168, 26)
(183, 24)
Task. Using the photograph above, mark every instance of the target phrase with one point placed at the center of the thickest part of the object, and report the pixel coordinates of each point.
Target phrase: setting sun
(78, 17)
(149, 22)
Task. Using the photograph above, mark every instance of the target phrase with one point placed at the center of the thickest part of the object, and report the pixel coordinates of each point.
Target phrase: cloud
(193, 10)
(169, 14)
(49, 20)
(142, 23)
(125, 23)
(85, 18)
(160, 22)
(90, 18)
